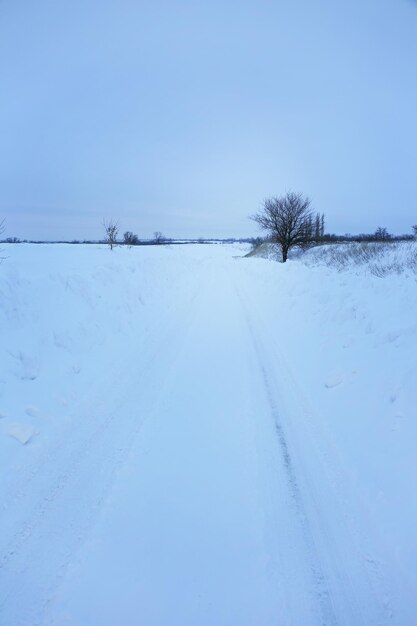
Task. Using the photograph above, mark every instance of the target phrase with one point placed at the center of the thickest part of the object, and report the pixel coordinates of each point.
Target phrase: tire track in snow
(321, 587)
(349, 583)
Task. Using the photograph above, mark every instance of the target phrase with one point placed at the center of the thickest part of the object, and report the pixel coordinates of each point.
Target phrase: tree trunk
(284, 253)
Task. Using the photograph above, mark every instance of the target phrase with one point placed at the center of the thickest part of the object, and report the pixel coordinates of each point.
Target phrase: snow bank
(64, 311)
(378, 259)
(349, 336)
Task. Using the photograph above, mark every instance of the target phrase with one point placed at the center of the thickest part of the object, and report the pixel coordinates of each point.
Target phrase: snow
(208, 438)
(21, 432)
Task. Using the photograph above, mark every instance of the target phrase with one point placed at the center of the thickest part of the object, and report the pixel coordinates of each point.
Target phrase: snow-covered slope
(349, 337)
(377, 259)
(191, 437)
(67, 313)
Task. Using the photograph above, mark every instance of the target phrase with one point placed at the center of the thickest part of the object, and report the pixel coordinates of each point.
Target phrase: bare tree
(381, 234)
(318, 227)
(322, 221)
(158, 237)
(130, 239)
(414, 231)
(288, 219)
(111, 229)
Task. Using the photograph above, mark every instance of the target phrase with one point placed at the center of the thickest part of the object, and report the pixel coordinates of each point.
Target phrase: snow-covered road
(193, 485)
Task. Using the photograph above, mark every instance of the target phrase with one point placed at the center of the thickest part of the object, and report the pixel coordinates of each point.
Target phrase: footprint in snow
(28, 367)
(333, 381)
(398, 422)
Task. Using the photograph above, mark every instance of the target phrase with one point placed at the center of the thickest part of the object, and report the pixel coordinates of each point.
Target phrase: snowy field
(189, 437)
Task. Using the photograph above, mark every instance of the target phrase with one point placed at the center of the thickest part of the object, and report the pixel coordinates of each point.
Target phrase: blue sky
(182, 116)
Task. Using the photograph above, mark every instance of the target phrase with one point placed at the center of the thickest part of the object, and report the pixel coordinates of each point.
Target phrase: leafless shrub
(130, 239)
(382, 234)
(255, 242)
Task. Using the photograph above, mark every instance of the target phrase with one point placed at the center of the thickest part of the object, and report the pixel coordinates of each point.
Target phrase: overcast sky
(181, 116)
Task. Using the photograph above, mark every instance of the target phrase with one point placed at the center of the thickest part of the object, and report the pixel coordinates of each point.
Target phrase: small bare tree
(382, 234)
(158, 238)
(288, 220)
(111, 229)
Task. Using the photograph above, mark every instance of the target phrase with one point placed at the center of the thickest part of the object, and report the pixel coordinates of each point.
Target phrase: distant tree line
(287, 220)
(381, 234)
